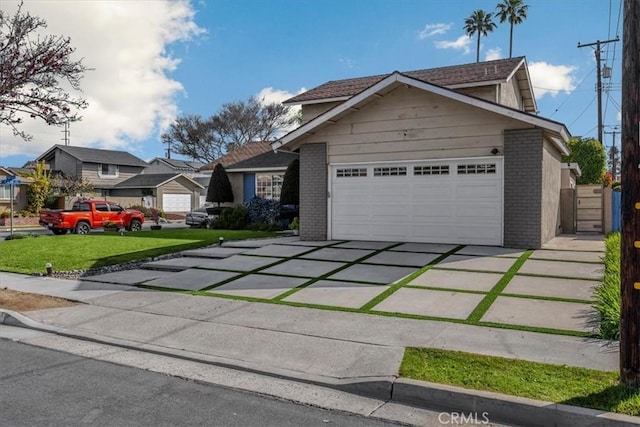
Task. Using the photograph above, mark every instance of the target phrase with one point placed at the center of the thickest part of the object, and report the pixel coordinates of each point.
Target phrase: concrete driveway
(547, 290)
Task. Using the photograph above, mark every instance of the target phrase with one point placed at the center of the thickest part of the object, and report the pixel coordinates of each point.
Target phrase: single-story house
(20, 201)
(172, 192)
(446, 155)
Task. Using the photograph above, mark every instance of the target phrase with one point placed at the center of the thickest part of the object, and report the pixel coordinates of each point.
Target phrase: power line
(583, 111)
(570, 93)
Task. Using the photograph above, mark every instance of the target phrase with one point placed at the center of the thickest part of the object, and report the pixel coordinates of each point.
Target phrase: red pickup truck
(88, 214)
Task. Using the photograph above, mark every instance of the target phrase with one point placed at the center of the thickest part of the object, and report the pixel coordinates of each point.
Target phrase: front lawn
(77, 252)
(561, 384)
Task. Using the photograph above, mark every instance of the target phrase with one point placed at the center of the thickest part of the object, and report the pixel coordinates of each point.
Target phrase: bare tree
(236, 124)
(31, 70)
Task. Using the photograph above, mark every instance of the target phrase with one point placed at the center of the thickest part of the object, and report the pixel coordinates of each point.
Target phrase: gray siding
(311, 111)
(313, 192)
(551, 182)
(523, 160)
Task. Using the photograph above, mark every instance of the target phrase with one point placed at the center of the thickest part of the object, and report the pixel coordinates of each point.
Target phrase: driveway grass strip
(560, 384)
(546, 298)
(436, 288)
(484, 305)
(548, 276)
(393, 288)
(332, 272)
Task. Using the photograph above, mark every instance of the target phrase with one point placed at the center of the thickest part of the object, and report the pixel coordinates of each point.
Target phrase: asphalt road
(41, 387)
(5, 231)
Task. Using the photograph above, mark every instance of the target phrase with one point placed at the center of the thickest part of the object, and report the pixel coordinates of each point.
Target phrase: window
(115, 208)
(390, 171)
(102, 207)
(431, 170)
(476, 169)
(81, 206)
(351, 172)
(106, 170)
(5, 192)
(269, 186)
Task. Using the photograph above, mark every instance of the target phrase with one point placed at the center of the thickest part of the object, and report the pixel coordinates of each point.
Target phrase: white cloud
(433, 29)
(551, 79)
(269, 95)
(348, 62)
(492, 54)
(130, 95)
(462, 43)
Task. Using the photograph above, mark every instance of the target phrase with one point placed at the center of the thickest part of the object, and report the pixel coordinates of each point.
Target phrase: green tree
(220, 190)
(514, 11)
(589, 154)
(40, 188)
(479, 23)
(290, 193)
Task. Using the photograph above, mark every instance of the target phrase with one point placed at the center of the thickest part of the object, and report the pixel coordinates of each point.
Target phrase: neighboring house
(447, 155)
(261, 175)
(171, 192)
(20, 201)
(164, 165)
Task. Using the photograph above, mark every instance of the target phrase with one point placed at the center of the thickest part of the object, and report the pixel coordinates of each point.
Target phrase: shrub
(290, 193)
(295, 224)
(235, 218)
(590, 156)
(220, 190)
(5, 214)
(258, 226)
(23, 236)
(616, 186)
(607, 295)
(262, 210)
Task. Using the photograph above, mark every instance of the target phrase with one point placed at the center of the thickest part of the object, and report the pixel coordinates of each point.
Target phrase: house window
(431, 170)
(5, 192)
(476, 169)
(390, 171)
(106, 170)
(269, 186)
(351, 172)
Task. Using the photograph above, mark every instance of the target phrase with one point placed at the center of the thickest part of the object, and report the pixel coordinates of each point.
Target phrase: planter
(19, 221)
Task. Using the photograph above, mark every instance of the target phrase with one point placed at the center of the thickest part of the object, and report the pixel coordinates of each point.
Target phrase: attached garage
(444, 201)
(176, 202)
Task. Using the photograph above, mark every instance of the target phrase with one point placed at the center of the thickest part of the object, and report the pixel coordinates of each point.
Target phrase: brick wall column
(523, 188)
(313, 192)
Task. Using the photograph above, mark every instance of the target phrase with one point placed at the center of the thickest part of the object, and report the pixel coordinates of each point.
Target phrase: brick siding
(313, 192)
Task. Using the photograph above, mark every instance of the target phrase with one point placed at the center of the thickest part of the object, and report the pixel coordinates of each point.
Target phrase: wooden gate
(589, 208)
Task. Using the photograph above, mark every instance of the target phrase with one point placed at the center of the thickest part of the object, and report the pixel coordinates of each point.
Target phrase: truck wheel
(59, 231)
(82, 228)
(135, 225)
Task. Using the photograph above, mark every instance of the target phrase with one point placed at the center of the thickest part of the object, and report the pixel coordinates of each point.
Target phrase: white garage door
(448, 201)
(176, 202)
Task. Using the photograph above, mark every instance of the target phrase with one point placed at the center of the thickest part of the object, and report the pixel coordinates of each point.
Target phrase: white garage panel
(176, 202)
(444, 201)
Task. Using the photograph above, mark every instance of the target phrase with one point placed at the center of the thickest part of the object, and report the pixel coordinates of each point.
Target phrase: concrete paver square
(465, 280)
(478, 263)
(436, 248)
(238, 263)
(338, 254)
(279, 250)
(127, 277)
(490, 251)
(339, 294)
(551, 287)
(402, 258)
(567, 255)
(569, 316)
(259, 286)
(355, 244)
(174, 264)
(373, 273)
(213, 252)
(573, 270)
(577, 242)
(192, 279)
(258, 243)
(426, 302)
(303, 267)
(317, 243)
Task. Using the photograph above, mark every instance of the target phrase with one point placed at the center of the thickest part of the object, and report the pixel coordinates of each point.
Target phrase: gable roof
(455, 76)
(152, 180)
(95, 155)
(269, 160)
(178, 164)
(557, 131)
(246, 151)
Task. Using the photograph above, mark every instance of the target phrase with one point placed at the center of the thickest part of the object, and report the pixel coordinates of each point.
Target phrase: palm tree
(514, 11)
(479, 22)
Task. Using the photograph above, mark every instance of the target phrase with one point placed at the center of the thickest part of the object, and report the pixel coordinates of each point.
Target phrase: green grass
(561, 384)
(607, 295)
(77, 252)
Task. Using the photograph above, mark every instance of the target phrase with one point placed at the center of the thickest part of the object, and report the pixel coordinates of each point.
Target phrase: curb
(478, 406)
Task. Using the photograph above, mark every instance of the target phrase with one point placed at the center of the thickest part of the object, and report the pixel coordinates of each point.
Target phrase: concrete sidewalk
(352, 352)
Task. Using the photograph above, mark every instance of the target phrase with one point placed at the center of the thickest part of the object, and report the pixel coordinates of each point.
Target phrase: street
(5, 231)
(41, 387)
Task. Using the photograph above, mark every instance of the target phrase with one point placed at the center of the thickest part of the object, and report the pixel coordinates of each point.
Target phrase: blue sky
(154, 60)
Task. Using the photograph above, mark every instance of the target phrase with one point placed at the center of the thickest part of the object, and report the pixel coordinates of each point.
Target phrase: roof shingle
(246, 151)
(96, 155)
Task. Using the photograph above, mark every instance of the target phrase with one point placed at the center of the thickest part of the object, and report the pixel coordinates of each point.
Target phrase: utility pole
(630, 238)
(597, 44)
(613, 154)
